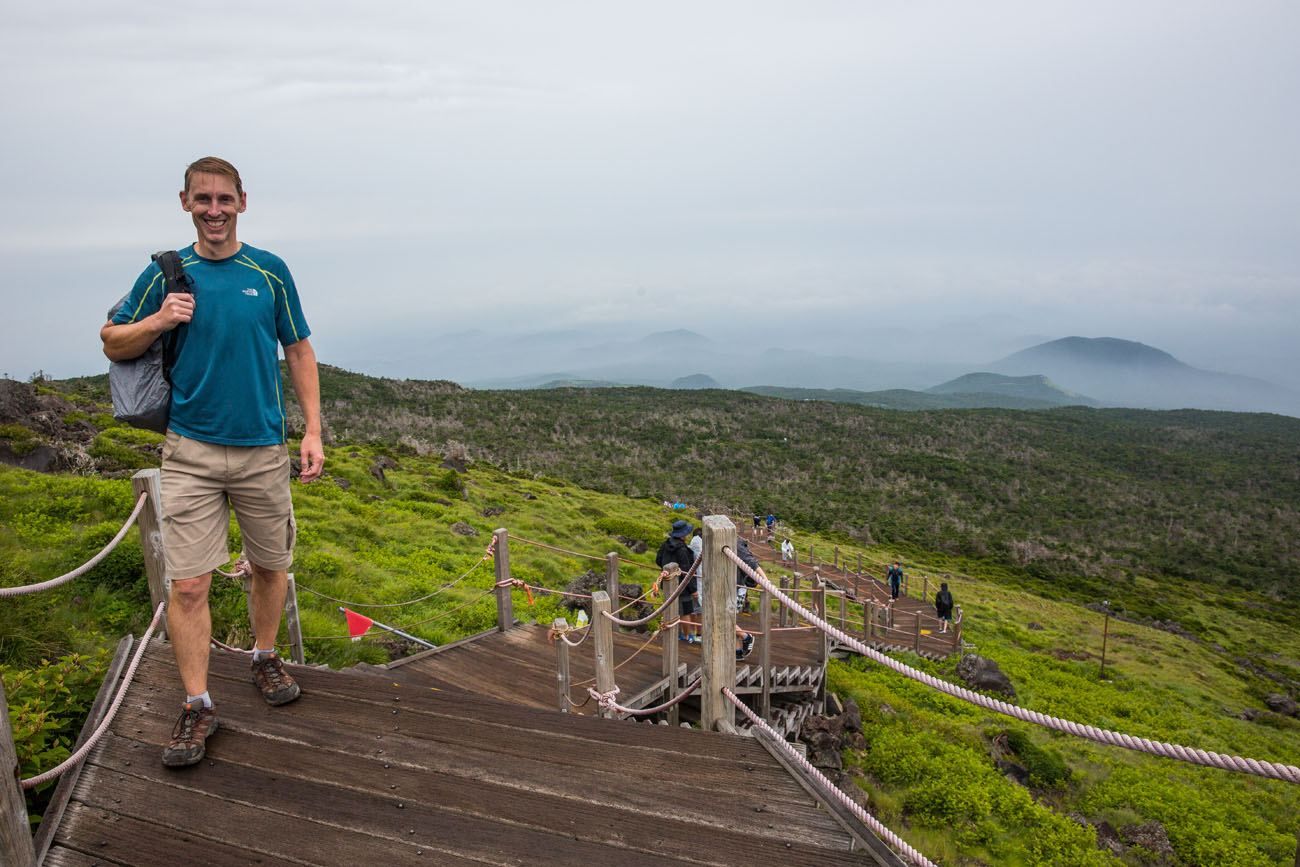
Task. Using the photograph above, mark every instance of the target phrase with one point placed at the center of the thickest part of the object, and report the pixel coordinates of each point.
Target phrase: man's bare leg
(269, 589)
(189, 624)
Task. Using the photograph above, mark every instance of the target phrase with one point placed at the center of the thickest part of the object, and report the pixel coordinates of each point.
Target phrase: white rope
(85, 567)
(866, 818)
(77, 757)
(1272, 770)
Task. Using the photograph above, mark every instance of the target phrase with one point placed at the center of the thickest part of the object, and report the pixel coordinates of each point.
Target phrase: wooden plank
(63, 791)
(61, 857)
(15, 833)
(149, 482)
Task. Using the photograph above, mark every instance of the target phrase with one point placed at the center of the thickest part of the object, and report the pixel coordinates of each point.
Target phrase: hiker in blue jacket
(895, 576)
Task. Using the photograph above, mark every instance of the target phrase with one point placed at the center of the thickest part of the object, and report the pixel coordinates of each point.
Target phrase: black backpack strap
(175, 280)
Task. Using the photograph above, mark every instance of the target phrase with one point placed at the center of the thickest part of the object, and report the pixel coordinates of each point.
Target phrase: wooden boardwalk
(519, 665)
(907, 613)
(402, 768)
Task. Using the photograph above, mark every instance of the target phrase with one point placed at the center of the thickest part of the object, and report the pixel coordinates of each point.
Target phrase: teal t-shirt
(226, 380)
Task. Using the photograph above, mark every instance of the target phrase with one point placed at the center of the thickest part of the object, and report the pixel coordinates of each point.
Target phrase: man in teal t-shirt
(226, 438)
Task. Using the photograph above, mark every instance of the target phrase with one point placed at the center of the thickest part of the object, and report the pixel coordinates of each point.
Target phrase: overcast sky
(975, 176)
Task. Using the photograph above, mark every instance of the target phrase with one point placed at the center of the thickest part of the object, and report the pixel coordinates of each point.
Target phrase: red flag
(358, 624)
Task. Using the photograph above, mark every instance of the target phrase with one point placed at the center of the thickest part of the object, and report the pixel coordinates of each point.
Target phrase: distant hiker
(771, 526)
(225, 443)
(758, 523)
(895, 576)
(743, 581)
(676, 551)
(943, 606)
(787, 551)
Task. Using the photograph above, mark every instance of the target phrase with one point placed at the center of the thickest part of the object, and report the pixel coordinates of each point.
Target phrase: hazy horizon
(924, 184)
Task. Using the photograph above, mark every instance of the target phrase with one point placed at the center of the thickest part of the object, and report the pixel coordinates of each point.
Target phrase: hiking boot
(189, 736)
(275, 683)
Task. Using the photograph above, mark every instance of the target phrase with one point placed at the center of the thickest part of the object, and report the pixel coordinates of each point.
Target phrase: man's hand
(177, 309)
(313, 458)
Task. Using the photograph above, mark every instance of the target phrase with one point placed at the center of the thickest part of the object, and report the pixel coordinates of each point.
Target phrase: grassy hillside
(930, 767)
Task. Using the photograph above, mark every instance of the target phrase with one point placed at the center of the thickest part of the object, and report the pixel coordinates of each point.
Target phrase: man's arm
(124, 342)
(301, 359)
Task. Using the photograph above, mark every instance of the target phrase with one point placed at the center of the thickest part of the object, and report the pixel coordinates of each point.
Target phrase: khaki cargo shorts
(201, 481)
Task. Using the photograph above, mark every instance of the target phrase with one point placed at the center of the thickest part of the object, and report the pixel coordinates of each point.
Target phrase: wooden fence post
(916, 641)
(859, 569)
(559, 624)
(812, 557)
(670, 647)
(718, 652)
(956, 630)
(293, 623)
(151, 543)
(15, 833)
(836, 562)
(505, 602)
(925, 588)
(824, 641)
(781, 611)
(604, 641)
(765, 654)
(611, 580)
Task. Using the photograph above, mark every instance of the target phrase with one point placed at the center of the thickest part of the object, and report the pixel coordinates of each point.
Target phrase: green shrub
(1047, 767)
(21, 440)
(631, 529)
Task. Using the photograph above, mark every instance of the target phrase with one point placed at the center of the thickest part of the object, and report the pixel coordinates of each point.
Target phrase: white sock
(203, 697)
(259, 654)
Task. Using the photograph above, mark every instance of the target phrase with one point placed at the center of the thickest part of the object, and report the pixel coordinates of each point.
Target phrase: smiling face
(214, 205)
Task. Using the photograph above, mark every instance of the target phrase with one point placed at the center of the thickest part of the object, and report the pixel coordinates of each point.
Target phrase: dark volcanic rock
(42, 458)
(636, 546)
(984, 675)
(588, 582)
(1108, 839)
(460, 528)
(1279, 703)
(1152, 837)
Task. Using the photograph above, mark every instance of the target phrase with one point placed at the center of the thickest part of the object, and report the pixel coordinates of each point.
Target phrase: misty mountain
(695, 380)
(1126, 373)
(907, 399)
(1034, 388)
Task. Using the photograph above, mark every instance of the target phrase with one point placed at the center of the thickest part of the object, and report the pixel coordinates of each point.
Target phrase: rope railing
(672, 597)
(84, 567)
(607, 701)
(445, 587)
(558, 550)
(876, 826)
(1192, 755)
(80, 755)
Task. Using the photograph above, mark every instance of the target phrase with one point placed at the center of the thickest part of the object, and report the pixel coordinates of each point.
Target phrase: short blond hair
(214, 166)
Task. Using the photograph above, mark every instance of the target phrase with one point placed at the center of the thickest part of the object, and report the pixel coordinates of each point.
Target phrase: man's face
(214, 206)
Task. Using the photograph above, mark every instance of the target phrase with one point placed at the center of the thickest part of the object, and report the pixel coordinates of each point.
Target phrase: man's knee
(191, 593)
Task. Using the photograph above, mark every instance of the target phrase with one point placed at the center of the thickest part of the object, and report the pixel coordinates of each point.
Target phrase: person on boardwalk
(895, 576)
(225, 443)
(943, 606)
(771, 526)
(787, 551)
(676, 551)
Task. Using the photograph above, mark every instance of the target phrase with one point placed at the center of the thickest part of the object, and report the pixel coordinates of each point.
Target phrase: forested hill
(1088, 500)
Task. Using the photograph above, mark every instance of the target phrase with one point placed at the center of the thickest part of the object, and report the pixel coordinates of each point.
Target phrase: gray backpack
(142, 386)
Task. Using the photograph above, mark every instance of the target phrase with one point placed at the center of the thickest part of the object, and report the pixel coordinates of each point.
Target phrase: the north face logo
(250, 292)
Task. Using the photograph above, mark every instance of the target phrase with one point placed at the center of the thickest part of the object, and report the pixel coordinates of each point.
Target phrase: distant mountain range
(1102, 371)
(1126, 373)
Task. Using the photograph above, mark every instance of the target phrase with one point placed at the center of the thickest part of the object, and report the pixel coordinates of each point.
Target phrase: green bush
(21, 440)
(631, 529)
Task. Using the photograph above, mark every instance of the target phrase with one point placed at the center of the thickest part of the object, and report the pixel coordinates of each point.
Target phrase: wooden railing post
(718, 652)
(956, 629)
(916, 641)
(812, 557)
(151, 543)
(824, 640)
(559, 624)
(781, 612)
(765, 654)
(293, 623)
(611, 580)
(670, 647)
(15, 833)
(859, 569)
(794, 594)
(836, 561)
(925, 588)
(604, 642)
(505, 601)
